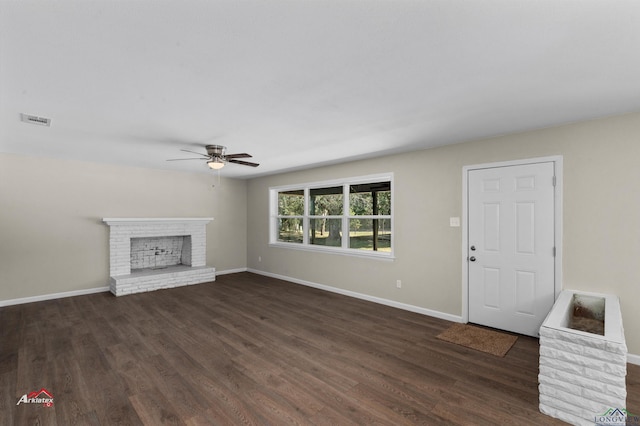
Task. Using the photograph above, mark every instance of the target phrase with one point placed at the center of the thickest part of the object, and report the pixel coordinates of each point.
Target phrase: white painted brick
(587, 405)
(595, 364)
(573, 337)
(605, 355)
(133, 284)
(559, 384)
(581, 393)
(616, 389)
(564, 413)
(564, 407)
(583, 350)
(620, 348)
(604, 377)
(580, 371)
(562, 365)
(607, 400)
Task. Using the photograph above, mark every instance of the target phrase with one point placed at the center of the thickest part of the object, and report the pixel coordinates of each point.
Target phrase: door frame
(557, 232)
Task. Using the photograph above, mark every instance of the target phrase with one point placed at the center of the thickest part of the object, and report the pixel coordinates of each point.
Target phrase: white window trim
(344, 250)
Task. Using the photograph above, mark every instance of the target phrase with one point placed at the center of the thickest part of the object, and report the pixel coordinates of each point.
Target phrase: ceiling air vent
(33, 119)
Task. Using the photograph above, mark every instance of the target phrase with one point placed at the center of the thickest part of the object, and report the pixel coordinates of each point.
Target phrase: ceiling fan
(216, 157)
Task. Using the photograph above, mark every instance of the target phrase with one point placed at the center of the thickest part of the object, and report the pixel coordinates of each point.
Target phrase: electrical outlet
(259, 258)
(398, 283)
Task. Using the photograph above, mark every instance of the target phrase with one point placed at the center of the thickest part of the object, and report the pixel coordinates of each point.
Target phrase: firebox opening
(160, 252)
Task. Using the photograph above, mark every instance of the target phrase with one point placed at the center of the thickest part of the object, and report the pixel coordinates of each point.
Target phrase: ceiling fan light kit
(216, 157)
(215, 164)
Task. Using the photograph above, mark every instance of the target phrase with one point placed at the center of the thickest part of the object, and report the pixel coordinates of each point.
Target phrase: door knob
(473, 248)
(472, 258)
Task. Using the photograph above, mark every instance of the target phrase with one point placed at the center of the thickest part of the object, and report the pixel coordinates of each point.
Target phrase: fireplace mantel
(148, 220)
(193, 269)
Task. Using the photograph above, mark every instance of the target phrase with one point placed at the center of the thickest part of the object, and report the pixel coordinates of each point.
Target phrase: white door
(511, 246)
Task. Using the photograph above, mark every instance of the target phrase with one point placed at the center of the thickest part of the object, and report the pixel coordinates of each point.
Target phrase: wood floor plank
(8, 398)
(633, 389)
(226, 403)
(72, 389)
(254, 350)
(176, 388)
(397, 407)
(11, 337)
(154, 408)
(329, 416)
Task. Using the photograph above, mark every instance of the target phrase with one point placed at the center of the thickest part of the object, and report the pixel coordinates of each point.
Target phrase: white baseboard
(387, 302)
(633, 359)
(52, 296)
(61, 295)
(231, 271)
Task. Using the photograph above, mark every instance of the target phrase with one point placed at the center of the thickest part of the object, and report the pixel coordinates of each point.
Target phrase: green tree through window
(325, 211)
(291, 214)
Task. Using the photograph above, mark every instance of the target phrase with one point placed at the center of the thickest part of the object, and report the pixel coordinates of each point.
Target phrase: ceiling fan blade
(243, 155)
(193, 152)
(182, 159)
(244, 163)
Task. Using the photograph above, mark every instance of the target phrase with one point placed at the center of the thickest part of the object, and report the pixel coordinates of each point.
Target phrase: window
(290, 216)
(325, 216)
(353, 216)
(370, 216)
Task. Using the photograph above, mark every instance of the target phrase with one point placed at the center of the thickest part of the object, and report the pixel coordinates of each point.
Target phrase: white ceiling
(304, 83)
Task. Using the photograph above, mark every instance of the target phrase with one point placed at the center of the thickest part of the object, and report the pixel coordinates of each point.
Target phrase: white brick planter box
(582, 374)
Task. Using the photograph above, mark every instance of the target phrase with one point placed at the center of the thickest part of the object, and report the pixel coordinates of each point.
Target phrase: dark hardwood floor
(254, 350)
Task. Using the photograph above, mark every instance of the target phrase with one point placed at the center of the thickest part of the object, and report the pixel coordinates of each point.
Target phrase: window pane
(370, 234)
(290, 230)
(326, 232)
(326, 201)
(291, 203)
(360, 203)
(370, 199)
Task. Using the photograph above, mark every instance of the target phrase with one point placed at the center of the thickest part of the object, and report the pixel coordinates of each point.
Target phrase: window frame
(346, 217)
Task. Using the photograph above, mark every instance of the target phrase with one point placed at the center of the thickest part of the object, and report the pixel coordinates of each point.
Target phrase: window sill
(335, 250)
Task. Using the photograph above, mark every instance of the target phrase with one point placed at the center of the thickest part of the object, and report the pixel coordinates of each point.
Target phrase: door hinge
(554, 252)
(554, 181)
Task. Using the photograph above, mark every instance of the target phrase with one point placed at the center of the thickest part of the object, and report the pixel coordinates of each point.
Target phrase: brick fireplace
(148, 254)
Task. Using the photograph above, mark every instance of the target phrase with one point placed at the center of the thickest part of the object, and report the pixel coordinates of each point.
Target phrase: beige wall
(53, 240)
(601, 212)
